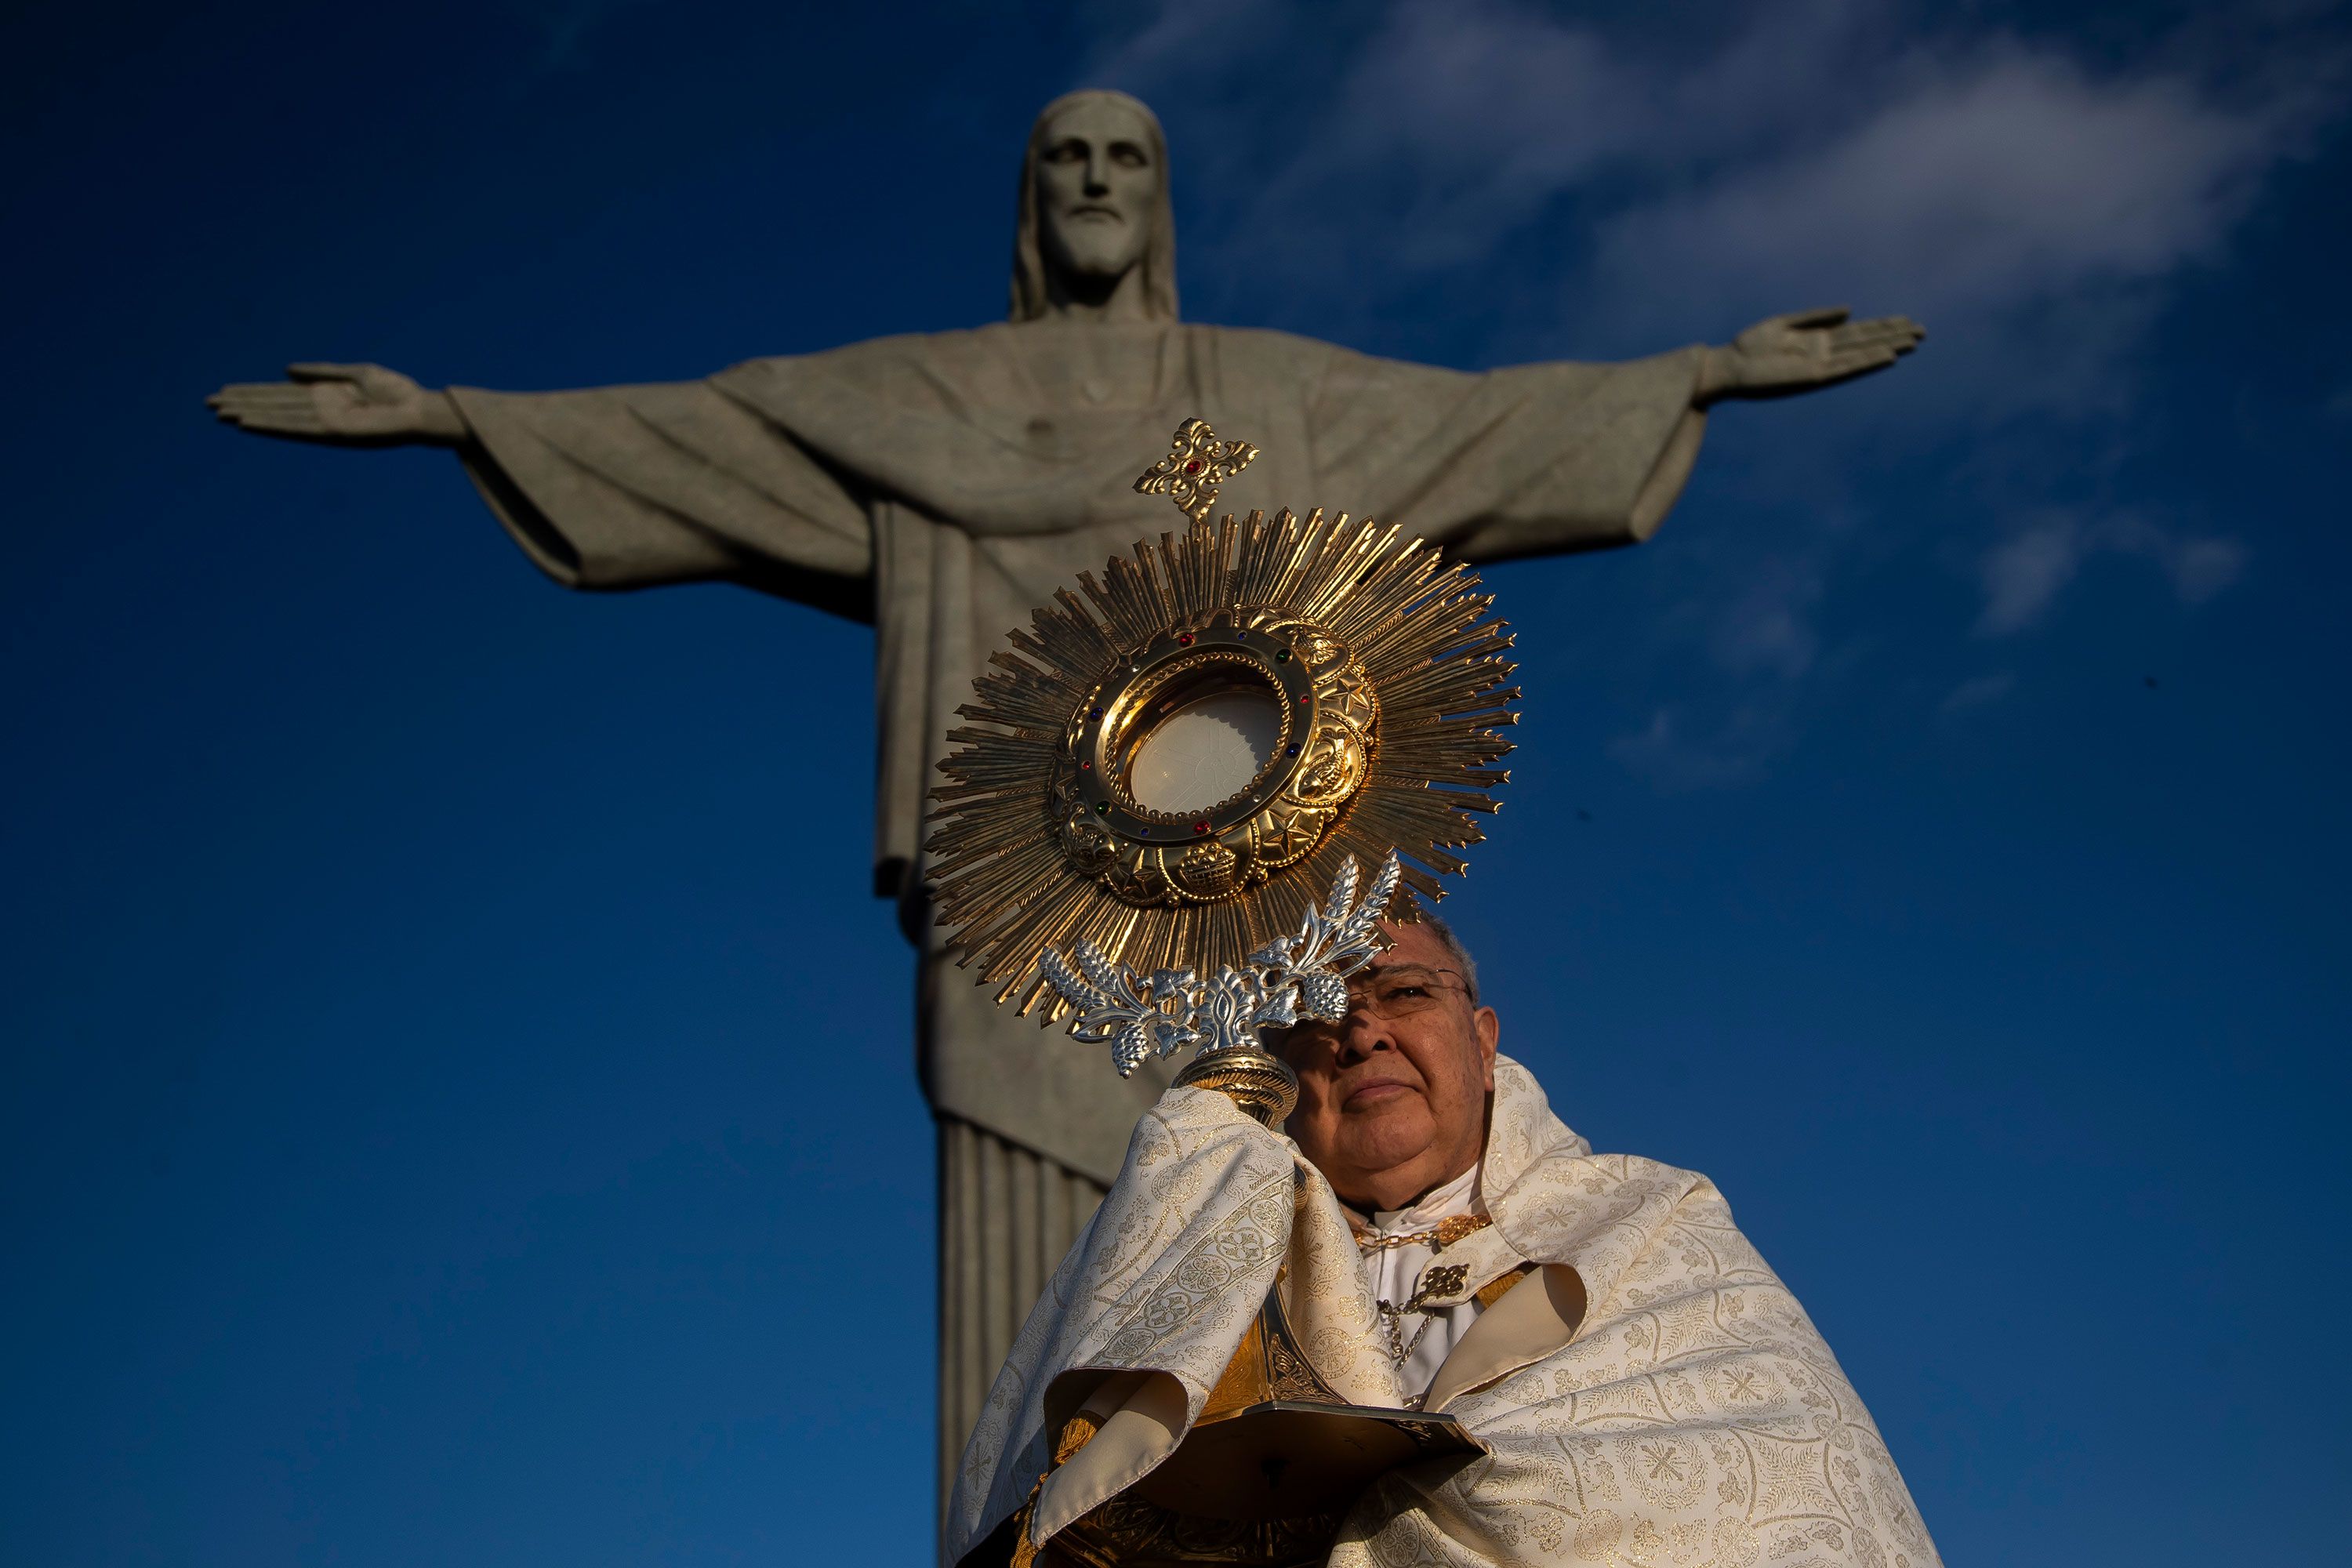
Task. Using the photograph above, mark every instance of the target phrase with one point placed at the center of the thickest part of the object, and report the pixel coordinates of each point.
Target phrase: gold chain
(1400, 1348)
(1437, 1280)
(1443, 1280)
(1437, 1237)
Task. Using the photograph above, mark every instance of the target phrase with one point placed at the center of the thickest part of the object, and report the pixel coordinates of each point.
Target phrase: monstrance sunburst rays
(1389, 678)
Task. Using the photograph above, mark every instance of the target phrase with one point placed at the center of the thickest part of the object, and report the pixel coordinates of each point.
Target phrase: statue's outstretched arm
(341, 406)
(1611, 446)
(1782, 355)
(616, 487)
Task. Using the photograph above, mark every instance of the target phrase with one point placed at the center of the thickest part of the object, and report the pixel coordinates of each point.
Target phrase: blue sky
(460, 1102)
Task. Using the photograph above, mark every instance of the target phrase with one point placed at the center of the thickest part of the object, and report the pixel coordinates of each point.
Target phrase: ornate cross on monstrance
(1196, 467)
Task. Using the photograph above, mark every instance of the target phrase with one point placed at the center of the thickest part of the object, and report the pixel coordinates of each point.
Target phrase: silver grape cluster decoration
(1290, 978)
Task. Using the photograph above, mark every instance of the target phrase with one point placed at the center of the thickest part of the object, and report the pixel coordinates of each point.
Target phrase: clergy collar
(1457, 1196)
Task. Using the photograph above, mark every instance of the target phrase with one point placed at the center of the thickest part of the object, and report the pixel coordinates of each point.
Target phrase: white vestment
(1650, 1395)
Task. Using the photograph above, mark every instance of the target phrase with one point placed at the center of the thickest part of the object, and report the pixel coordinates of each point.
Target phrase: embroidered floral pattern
(1694, 1420)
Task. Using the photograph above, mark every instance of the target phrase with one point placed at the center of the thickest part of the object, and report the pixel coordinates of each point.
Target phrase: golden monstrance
(1158, 776)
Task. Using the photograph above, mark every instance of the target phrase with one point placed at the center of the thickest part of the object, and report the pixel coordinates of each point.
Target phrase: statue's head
(1093, 209)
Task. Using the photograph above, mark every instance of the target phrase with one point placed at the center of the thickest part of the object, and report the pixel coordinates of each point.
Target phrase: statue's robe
(942, 488)
(1648, 1392)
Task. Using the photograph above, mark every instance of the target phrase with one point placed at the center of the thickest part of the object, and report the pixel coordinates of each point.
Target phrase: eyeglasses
(1390, 994)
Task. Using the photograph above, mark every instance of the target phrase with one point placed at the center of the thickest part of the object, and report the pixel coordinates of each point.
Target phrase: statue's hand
(1785, 354)
(342, 405)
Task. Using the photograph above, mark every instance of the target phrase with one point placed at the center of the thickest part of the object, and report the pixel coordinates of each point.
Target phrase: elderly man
(1647, 1390)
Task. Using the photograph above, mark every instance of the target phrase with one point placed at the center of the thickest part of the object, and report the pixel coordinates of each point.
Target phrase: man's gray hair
(1454, 950)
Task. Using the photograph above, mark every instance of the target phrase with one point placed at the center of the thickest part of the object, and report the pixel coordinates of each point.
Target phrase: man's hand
(1784, 355)
(342, 405)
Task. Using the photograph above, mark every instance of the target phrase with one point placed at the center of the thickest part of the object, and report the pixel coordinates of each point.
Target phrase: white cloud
(1463, 122)
(2023, 574)
(1667, 754)
(1169, 41)
(2201, 568)
(1987, 182)
(1768, 630)
(1979, 691)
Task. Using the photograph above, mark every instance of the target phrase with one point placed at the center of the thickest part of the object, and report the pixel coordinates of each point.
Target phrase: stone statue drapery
(941, 487)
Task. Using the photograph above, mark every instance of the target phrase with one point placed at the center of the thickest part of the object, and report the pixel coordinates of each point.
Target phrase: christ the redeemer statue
(940, 486)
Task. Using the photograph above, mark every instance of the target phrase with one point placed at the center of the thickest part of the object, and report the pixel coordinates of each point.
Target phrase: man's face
(1389, 1107)
(1097, 188)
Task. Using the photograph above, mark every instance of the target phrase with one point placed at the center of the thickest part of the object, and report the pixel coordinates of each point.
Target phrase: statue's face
(1097, 188)
(1391, 1107)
